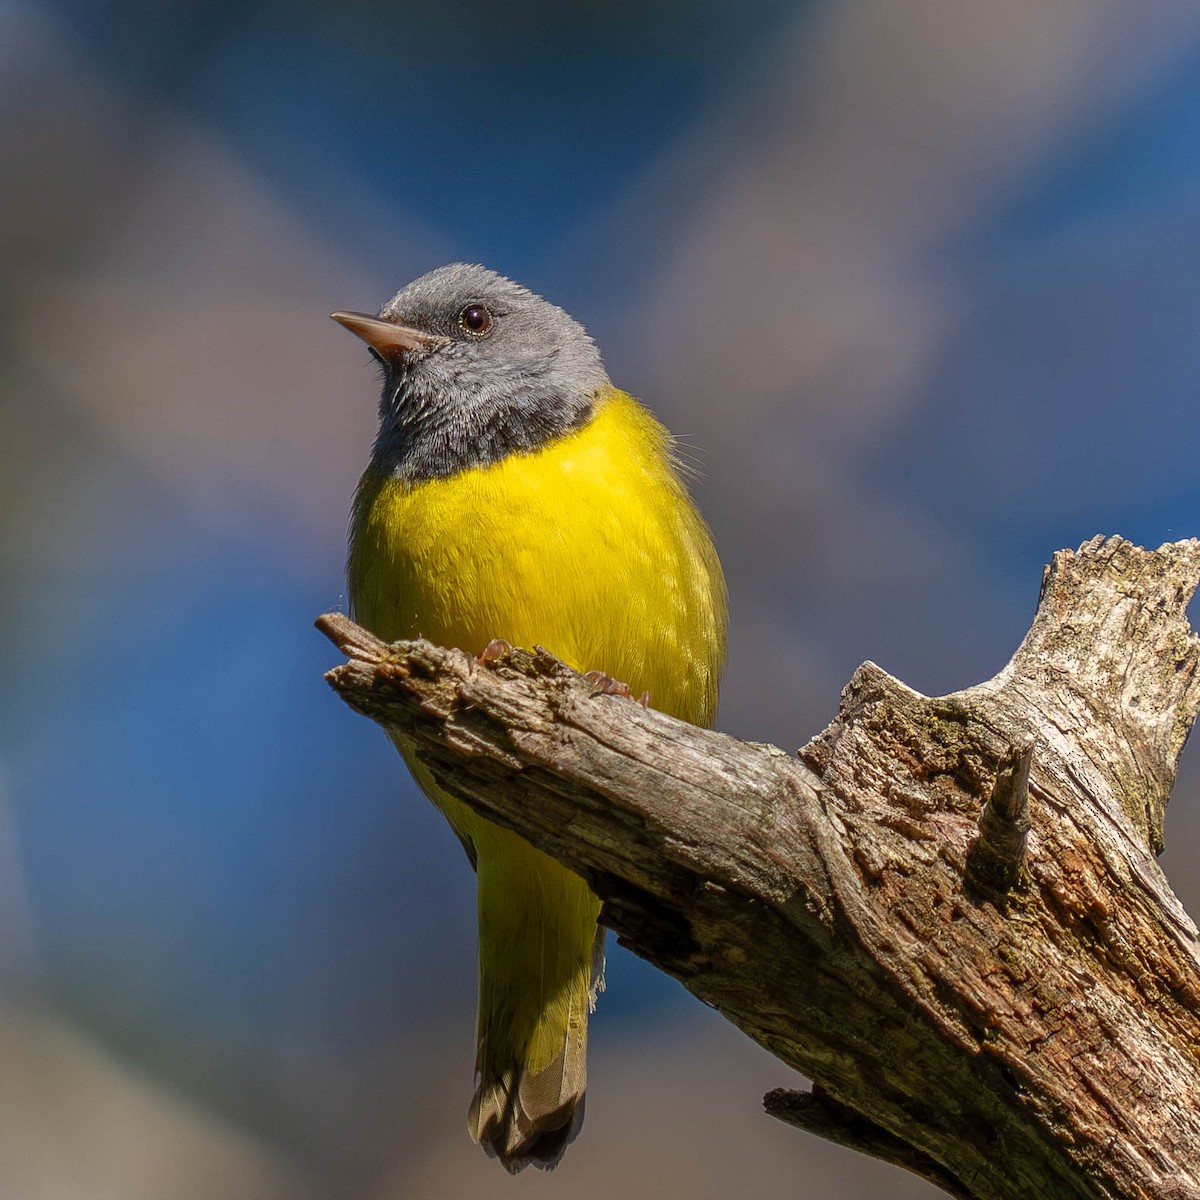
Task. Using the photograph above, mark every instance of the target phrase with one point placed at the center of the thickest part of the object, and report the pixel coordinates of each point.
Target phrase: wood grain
(1008, 1006)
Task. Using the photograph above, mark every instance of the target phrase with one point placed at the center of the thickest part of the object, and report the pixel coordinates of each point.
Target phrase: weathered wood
(996, 858)
(946, 911)
(817, 1112)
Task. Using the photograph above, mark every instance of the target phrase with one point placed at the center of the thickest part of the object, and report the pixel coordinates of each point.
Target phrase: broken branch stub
(996, 858)
(946, 912)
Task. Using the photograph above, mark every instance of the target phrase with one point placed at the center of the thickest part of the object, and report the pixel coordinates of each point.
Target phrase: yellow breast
(590, 547)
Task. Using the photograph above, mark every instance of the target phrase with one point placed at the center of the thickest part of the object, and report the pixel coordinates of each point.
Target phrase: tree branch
(946, 912)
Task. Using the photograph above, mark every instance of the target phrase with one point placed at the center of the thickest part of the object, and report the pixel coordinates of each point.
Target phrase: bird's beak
(386, 337)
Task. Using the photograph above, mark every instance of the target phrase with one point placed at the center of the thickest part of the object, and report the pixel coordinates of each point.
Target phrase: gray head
(475, 367)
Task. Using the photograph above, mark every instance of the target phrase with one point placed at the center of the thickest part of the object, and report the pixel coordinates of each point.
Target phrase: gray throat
(426, 437)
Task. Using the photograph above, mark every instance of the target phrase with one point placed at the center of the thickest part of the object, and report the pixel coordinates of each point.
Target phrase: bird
(514, 495)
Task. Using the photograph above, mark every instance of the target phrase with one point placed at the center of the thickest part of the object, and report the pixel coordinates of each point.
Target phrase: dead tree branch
(947, 912)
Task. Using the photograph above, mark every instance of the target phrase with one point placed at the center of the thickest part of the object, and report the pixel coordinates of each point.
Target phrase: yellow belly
(590, 547)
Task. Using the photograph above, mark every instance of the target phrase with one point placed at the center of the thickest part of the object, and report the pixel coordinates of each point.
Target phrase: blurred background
(916, 282)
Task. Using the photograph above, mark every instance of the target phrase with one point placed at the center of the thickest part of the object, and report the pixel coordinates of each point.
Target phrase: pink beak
(386, 337)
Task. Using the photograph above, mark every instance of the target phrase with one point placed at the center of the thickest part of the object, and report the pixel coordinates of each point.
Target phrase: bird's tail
(540, 966)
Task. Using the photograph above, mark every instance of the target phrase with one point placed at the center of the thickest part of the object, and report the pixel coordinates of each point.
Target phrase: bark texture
(945, 911)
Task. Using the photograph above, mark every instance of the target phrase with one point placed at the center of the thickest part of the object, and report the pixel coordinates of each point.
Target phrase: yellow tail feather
(537, 979)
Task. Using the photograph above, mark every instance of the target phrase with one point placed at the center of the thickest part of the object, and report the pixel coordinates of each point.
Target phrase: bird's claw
(605, 685)
(495, 650)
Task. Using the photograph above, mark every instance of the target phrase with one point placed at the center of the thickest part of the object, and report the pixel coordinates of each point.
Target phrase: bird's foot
(605, 685)
(495, 650)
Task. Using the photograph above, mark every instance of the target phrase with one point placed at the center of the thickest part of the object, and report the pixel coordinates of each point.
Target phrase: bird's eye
(475, 320)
